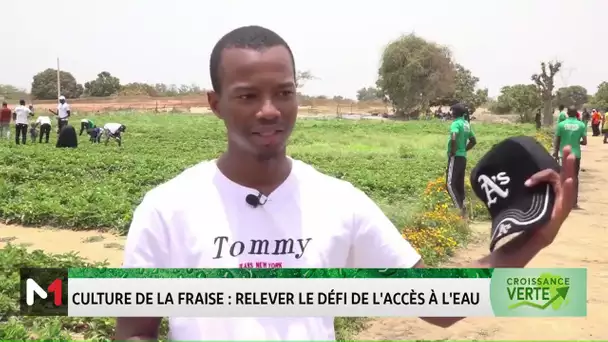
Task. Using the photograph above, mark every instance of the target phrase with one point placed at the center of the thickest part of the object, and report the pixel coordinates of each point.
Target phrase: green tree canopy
(523, 99)
(600, 99)
(368, 94)
(104, 85)
(572, 96)
(465, 91)
(44, 85)
(10, 92)
(413, 73)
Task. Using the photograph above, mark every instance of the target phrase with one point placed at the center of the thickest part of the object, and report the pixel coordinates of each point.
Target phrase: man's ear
(213, 99)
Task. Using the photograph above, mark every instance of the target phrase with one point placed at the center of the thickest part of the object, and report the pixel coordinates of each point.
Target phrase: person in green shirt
(86, 125)
(461, 140)
(562, 114)
(571, 132)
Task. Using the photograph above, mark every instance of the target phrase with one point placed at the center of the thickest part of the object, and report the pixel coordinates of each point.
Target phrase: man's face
(62, 101)
(258, 99)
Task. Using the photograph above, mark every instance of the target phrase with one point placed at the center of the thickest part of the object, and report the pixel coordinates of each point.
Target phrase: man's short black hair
(572, 112)
(247, 37)
(458, 110)
(22, 102)
(561, 107)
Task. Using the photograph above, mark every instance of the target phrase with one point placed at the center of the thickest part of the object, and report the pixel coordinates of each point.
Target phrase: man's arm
(472, 141)
(146, 247)
(454, 131)
(378, 244)
(584, 137)
(518, 252)
(557, 141)
(52, 111)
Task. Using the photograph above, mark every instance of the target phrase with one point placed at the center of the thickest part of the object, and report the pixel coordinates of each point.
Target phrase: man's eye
(286, 93)
(246, 96)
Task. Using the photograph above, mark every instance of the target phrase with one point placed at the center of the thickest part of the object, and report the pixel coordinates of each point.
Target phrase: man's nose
(268, 111)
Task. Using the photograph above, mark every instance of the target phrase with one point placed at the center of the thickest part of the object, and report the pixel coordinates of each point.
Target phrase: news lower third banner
(98, 292)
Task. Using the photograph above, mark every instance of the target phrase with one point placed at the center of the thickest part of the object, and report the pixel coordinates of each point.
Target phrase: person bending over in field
(95, 134)
(45, 128)
(86, 125)
(114, 131)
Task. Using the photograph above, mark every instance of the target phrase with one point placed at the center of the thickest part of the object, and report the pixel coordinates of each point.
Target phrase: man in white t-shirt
(21, 115)
(63, 113)
(114, 130)
(254, 205)
(45, 128)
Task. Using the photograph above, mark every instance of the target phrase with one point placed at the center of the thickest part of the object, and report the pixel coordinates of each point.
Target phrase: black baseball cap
(498, 181)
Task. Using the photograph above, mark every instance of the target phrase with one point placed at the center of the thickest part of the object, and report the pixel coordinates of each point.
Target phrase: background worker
(63, 113)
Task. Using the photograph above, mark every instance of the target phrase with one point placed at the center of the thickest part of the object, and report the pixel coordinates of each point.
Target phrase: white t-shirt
(112, 127)
(62, 110)
(22, 114)
(43, 120)
(192, 221)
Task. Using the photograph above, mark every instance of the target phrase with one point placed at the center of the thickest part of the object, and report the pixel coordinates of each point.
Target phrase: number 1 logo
(32, 288)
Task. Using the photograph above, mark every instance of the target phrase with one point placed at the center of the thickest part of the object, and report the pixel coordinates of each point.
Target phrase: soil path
(92, 245)
(583, 242)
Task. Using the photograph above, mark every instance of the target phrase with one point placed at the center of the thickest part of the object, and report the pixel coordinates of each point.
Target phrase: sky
(159, 41)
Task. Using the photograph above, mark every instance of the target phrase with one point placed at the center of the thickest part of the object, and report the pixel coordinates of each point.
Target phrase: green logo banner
(539, 292)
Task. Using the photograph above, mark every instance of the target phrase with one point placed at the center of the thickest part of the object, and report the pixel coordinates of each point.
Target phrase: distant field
(185, 103)
(98, 186)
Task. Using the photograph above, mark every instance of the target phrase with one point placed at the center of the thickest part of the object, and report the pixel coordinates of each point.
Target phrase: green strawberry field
(98, 186)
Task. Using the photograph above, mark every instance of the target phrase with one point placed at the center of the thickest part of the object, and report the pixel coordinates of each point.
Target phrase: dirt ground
(582, 243)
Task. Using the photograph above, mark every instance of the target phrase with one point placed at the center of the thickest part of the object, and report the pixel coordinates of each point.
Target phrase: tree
(367, 94)
(44, 85)
(600, 99)
(523, 99)
(413, 72)
(304, 76)
(544, 82)
(135, 89)
(465, 91)
(9, 92)
(572, 96)
(104, 85)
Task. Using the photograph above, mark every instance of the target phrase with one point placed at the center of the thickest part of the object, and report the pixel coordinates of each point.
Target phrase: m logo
(492, 187)
(32, 288)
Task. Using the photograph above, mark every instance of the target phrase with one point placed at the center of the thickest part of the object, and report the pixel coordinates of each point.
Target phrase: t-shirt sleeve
(376, 242)
(67, 107)
(147, 245)
(454, 128)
